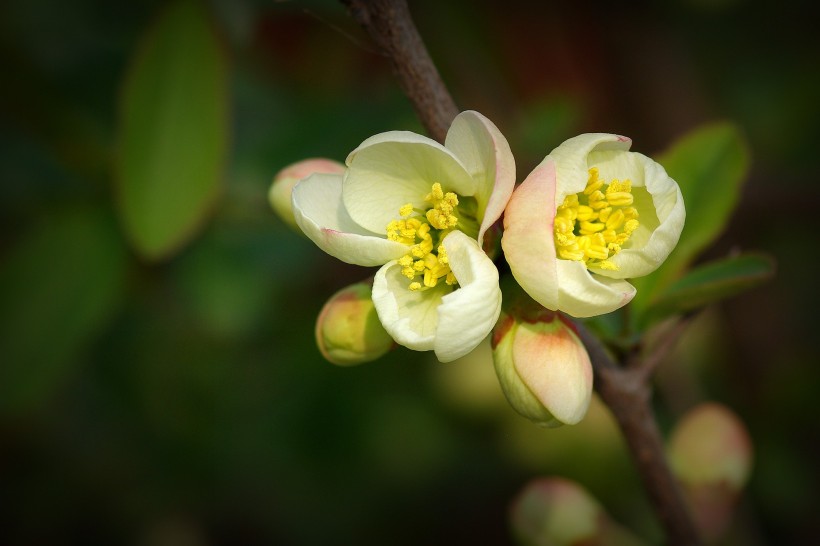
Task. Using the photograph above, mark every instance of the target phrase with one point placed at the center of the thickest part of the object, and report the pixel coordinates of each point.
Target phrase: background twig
(389, 24)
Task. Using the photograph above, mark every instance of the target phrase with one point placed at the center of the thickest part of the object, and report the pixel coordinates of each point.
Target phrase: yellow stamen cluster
(593, 225)
(426, 259)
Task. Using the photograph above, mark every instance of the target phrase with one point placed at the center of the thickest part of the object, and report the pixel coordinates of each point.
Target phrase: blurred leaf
(57, 289)
(709, 164)
(710, 283)
(174, 131)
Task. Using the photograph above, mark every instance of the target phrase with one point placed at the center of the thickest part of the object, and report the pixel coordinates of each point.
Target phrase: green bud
(348, 331)
(280, 191)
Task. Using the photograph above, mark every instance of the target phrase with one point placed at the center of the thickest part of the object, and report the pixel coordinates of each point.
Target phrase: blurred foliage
(184, 401)
(710, 165)
(173, 130)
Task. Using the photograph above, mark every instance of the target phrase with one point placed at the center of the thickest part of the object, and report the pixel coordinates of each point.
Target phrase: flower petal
(485, 153)
(319, 212)
(661, 224)
(392, 169)
(528, 235)
(468, 314)
(584, 294)
(410, 317)
(572, 159)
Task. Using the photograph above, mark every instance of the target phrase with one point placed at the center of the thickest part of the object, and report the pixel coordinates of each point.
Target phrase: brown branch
(389, 24)
(625, 391)
(627, 394)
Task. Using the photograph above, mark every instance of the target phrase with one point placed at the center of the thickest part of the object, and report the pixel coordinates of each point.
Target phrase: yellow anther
(588, 228)
(593, 225)
(586, 213)
(562, 225)
(615, 220)
(571, 254)
(609, 235)
(619, 198)
(426, 259)
(564, 239)
(442, 255)
(594, 183)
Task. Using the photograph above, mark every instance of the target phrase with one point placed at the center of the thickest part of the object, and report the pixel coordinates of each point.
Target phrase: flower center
(423, 231)
(593, 225)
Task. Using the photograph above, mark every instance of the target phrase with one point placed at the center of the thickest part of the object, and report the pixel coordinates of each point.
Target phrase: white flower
(589, 216)
(419, 210)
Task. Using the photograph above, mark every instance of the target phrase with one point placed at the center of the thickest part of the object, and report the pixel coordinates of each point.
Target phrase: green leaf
(58, 287)
(173, 132)
(710, 283)
(710, 165)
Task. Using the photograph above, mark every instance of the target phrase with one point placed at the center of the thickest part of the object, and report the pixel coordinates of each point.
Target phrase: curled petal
(486, 155)
(410, 317)
(584, 294)
(572, 159)
(467, 315)
(450, 321)
(392, 169)
(670, 215)
(319, 212)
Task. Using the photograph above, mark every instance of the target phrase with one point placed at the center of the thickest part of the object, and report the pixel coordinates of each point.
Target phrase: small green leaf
(173, 132)
(709, 165)
(710, 283)
(58, 287)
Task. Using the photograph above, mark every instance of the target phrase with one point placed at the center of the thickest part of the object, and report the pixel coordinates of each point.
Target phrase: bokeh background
(182, 400)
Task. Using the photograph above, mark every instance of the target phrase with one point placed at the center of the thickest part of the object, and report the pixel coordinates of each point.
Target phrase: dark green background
(184, 401)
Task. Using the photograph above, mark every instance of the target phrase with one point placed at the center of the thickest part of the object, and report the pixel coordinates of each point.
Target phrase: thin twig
(627, 394)
(389, 24)
(647, 364)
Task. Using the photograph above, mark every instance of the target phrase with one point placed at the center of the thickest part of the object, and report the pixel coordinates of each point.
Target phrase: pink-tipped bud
(348, 331)
(543, 367)
(282, 187)
(556, 511)
(711, 454)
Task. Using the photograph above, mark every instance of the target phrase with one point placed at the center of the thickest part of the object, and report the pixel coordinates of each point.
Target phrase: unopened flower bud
(543, 367)
(559, 512)
(711, 454)
(348, 331)
(282, 187)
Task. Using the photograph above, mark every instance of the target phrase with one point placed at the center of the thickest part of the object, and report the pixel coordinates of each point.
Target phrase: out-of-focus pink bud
(711, 454)
(559, 512)
(348, 331)
(282, 187)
